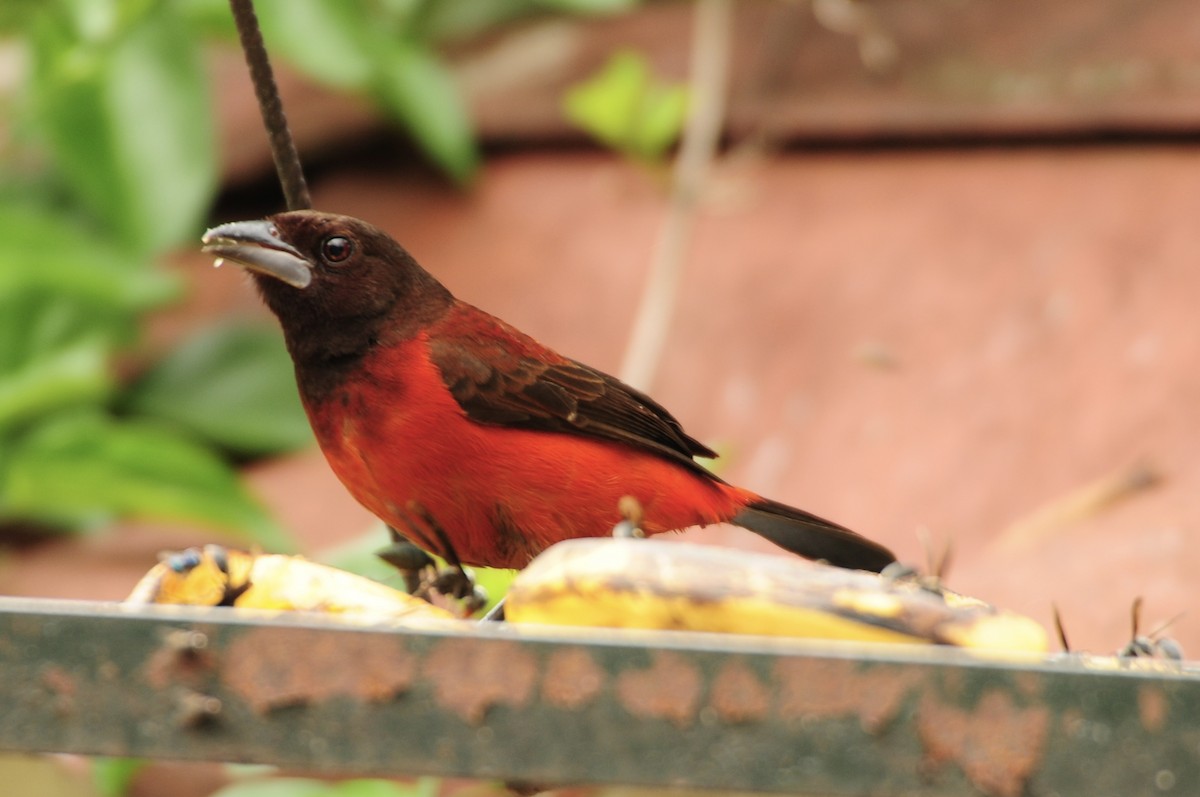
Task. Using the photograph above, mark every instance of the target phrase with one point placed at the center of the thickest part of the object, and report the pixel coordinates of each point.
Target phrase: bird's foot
(411, 561)
(424, 579)
(458, 582)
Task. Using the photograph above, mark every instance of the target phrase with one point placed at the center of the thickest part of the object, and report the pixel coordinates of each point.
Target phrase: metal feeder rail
(549, 707)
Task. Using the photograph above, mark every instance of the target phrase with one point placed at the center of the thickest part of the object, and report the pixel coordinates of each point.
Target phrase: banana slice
(629, 583)
(218, 576)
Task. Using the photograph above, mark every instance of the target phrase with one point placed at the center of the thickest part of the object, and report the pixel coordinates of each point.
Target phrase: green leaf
(663, 114)
(329, 39)
(305, 787)
(76, 374)
(459, 20)
(606, 104)
(588, 6)
(35, 324)
(360, 47)
(122, 102)
(626, 109)
(276, 787)
(39, 323)
(67, 299)
(209, 19)
(85, 468)
(233, 386)
(418, 90)
(374, 787)
(15, 15)
(113, 776)
(47, 251)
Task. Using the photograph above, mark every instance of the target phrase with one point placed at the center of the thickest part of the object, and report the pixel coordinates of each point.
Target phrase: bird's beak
(257, 246)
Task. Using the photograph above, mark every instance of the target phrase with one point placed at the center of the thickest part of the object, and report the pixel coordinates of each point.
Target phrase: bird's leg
(413, 563)
(421, 575)
(454, 580)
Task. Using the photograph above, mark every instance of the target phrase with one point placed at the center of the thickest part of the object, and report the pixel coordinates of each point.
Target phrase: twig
(283, 148)
(711, 43)
(1079, 504)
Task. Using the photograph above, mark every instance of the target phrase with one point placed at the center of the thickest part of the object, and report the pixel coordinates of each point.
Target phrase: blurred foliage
(118, 93)
(110, 159)
(307, 787)
(385, 49)
(107, 160)
(228, 366)
(112, 777)
(625, 108)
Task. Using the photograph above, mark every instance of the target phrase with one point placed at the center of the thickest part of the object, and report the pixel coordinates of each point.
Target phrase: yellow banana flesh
(651, 584)
(217, 576)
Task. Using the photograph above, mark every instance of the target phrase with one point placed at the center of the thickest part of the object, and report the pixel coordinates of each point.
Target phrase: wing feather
(501, 376)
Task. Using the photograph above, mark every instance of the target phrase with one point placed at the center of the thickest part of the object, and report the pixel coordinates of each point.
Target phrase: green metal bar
(540, 706)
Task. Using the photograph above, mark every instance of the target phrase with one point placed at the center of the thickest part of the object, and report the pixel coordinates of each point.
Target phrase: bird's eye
(336, 248)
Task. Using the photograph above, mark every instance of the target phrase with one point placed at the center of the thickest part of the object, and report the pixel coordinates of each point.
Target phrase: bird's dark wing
(500, 376)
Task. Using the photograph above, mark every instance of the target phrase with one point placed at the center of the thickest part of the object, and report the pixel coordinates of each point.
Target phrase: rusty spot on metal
(1152, 708)
(275, 667)
(469, 676)
(738, 695)
(998, 745)
(63, 686)
(59, 681)
(195, 709)
(668, 689)
(572, 679)
(831, 688)
(179, 660)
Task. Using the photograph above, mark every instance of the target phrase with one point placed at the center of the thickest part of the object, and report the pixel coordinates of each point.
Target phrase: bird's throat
(327, 355)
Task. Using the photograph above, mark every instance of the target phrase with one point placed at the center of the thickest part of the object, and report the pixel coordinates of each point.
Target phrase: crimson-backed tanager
(435, 414)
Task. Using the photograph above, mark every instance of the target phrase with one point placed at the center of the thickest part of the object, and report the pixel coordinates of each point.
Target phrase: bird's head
(335, 282)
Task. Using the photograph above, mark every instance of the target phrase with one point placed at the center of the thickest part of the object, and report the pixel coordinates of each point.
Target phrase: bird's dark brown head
(337, 284)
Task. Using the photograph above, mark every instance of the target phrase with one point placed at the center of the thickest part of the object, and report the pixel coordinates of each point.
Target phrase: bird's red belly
(404, 448)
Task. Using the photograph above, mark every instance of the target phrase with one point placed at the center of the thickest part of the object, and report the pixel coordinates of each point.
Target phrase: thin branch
(711, 44)
(283, 148)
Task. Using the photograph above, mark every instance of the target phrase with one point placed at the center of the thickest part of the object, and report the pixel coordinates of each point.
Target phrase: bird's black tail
(810, 536)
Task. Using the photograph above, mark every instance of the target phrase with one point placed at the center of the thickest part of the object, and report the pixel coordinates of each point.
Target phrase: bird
(467, 436)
